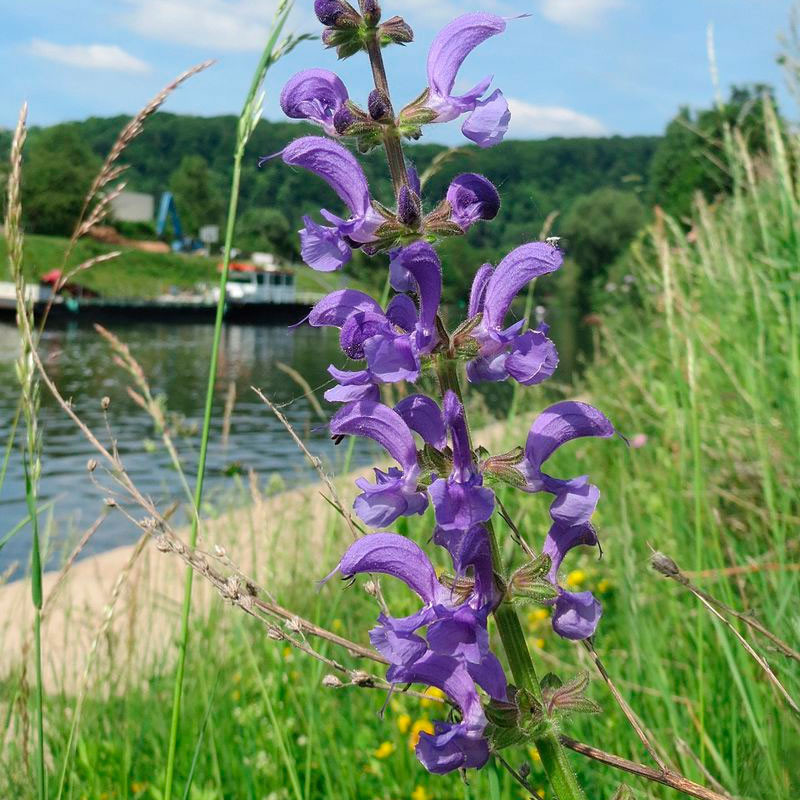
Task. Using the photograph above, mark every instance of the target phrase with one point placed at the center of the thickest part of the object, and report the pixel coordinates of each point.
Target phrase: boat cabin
(249, 283)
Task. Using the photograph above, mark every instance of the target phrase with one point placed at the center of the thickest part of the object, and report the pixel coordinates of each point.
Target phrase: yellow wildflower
(604, 586)
(403, 723)
(420, 726)
(540, 643)
(137, 787)
(540, 614)
(287, 653)
(337, 625)
(534, 754)
(540, 793)
(385, 750)
(576, 577)
(432, 691)
(236, 695)
(237, 677)
(421, 793)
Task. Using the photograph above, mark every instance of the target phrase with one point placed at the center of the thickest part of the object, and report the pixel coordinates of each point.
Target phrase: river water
(175, 359)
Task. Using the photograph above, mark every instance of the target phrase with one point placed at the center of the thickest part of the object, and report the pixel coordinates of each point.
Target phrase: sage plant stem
(554, 758)
(391, 138)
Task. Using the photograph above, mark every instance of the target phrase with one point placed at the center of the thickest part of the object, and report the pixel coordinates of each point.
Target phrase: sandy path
(275, 540)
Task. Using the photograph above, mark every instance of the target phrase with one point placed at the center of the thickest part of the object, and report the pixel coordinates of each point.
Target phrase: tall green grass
(699, 366)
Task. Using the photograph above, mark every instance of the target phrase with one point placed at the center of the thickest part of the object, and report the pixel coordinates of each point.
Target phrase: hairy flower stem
(391, 138)
(554, 758)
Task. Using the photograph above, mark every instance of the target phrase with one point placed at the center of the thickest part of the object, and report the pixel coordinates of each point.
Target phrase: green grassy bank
(134, 273)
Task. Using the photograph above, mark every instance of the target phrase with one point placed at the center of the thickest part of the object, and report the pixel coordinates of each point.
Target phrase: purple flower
(391, 342)
(472, 197)
(329, 248)
(489, 117)
(424, 416)
(576, 614)
(453, 656)
(555, 426)
(395, 493)
(316, 95)
(529, 358)
(460, 501)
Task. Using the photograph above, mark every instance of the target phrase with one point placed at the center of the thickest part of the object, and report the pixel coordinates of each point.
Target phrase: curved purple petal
(472, 197)
(323, 249)
(449, 50)
(516, 270)
(489, 675)
(353, 393)
(395, 639)
(423, 415)
(488, 123)
(391, 358)
(360, 327)
(399, 277)
(478, 292)
(334, 309)
(561, 539)
(576, 615)
(316, 95)
(393, 495)
(451, 747)
(557, 425)
(533, 358)
(575, 505)
(463, 461)
(378, 422)
(460, 506)
(471, 550)
(336, 165)
(402, 312)
(390, 554)
(421, 262)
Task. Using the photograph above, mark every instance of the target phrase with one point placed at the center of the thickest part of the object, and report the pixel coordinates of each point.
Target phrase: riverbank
(131, 596)
(135, 273)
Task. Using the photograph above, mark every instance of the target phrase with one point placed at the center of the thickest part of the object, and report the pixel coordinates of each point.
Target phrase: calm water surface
(175, 359)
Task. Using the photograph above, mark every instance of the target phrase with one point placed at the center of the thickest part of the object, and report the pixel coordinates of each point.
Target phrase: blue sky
(574, 67)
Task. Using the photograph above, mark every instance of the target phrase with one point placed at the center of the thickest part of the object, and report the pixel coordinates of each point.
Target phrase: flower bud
(372, 12)
(342, 120)
(378, 105)
(332, 682)
(396, 31)
(336, 13)
(665, 565)
(91, 465)
(105, 403)
(409, 207)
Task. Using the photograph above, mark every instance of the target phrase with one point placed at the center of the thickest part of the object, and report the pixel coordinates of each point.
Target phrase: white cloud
(216, 24)
(542, 121)
(578, 13)
(89, 56)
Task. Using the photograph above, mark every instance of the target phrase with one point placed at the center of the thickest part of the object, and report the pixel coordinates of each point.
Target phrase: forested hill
(192, 157)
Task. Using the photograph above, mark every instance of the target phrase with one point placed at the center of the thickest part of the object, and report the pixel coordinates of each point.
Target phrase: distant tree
(269, 230)
(58, 170)
(198, 195)
(691, 155)
(597, 228)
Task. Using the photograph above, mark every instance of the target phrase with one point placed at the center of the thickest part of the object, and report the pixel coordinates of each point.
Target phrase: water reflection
(175, 360)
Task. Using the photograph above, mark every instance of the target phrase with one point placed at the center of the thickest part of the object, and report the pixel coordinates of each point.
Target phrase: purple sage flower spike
(316, 95)
(423, 415)
(448, 52)
(394, 493)
(460, 502)
(472, 198)
(555, 426)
